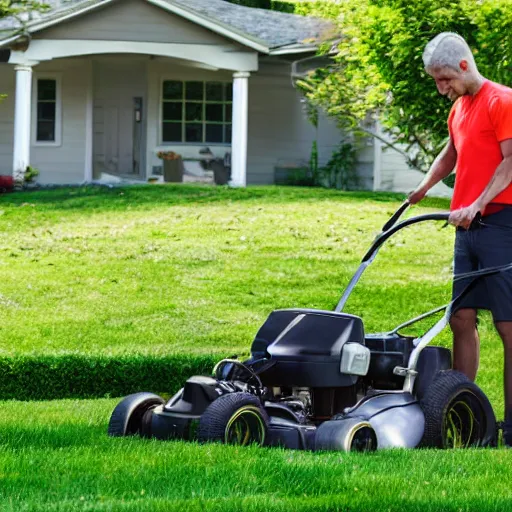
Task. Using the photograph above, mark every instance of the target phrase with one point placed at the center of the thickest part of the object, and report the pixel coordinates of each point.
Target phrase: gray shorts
(488, 244)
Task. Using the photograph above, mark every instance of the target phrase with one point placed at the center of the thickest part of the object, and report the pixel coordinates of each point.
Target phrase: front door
(119, 118)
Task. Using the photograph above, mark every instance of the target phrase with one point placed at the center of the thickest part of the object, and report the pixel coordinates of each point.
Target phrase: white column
(88, 170)
(377, 158)
(239, 137)
(22, 106)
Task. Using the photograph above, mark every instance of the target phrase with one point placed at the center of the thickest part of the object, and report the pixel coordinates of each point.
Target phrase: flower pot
(173, 170)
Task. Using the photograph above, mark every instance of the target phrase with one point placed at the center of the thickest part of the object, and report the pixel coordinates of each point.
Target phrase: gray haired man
(480, 148)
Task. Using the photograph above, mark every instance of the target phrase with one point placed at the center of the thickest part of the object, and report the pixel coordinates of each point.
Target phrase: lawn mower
(316, 381)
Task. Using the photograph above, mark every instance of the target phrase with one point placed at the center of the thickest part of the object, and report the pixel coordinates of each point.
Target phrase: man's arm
(441, 168)
(500, 180)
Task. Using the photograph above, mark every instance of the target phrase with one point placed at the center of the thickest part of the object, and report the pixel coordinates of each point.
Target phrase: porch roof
(263, 30)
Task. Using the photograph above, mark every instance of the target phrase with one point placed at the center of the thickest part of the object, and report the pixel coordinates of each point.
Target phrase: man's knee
(505, 331)
(463, 320)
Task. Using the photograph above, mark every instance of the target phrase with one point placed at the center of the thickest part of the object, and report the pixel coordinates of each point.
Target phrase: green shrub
(80, 376)
(283, 6)
(340, 171)
(319, 8)
(260, 4)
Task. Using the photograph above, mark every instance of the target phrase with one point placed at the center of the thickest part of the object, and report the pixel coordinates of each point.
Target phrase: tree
(20, 8)
(377, 71)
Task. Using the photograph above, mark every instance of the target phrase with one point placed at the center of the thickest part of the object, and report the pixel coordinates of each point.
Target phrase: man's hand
(417, 195)
(464, 216)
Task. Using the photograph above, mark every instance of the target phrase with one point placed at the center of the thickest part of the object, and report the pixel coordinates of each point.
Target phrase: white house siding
(365, 163)
(397, 176)
(132, 20)
(279, 131)
(7, 84)
(64, 163)
(394, 170)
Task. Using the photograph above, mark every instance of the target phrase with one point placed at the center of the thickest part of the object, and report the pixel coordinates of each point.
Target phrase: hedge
(283, 6)
(261, 4)
(80, 376)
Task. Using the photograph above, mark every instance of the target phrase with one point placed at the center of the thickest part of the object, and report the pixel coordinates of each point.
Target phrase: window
(196, 112)
(46, 114)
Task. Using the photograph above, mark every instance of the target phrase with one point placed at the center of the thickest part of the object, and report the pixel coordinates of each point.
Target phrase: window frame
(57, 77)
(203, 104)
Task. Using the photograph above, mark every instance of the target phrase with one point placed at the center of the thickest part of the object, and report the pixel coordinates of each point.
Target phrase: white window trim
(165, 145)
(58, 110)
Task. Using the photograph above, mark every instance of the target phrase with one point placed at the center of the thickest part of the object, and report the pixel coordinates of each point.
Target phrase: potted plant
(173, 166)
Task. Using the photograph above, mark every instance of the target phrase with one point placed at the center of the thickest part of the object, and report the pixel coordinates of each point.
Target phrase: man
(480, 147)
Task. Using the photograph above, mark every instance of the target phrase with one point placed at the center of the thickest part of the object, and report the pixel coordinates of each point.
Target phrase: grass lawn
(162, 270)
(158, 271)
(56, 456)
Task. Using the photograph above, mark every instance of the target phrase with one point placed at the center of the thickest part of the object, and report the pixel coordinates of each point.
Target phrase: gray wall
(57, 164)
(279, 131)
(132, 20)
(66, 163)
(6, 118)
(395, 171)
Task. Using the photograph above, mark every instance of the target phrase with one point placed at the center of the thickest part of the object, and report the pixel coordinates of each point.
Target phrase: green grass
(104, 276)
(56, 456)
(160, 270)
(194, 270)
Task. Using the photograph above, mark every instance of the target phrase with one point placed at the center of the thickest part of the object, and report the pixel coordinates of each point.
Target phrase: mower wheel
(234, 418)
(350, 434)
(457, 413)
(126, 420)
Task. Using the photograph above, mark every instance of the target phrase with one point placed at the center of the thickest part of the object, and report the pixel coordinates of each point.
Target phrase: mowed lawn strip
(56, 456)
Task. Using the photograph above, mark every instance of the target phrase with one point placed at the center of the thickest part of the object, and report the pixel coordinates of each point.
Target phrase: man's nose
(442, 88)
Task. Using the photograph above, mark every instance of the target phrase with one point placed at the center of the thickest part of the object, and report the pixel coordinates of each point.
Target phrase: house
(99, 87)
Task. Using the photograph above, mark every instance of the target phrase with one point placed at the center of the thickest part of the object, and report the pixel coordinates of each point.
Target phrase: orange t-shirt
(477, 125)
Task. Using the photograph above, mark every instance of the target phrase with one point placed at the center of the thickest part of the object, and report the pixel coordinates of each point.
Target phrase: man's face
(449, 82)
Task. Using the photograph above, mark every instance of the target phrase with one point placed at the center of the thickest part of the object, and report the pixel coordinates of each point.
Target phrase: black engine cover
(306, 346)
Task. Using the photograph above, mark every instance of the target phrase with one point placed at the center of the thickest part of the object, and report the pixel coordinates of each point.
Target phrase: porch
(126, 108)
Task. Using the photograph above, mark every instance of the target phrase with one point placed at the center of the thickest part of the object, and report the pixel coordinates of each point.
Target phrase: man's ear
(463, 65)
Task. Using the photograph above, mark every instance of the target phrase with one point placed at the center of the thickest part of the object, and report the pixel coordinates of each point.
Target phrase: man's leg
(466, 344)
(505, 331)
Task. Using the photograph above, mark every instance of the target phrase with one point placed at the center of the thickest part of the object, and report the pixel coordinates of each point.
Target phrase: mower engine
(305, 367)
(315, 361)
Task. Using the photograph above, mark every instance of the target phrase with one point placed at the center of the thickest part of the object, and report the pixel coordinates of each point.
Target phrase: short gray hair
(447, 50)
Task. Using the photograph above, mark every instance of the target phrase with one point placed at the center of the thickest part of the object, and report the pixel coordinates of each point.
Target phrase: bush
(260, 4)
(79, 376)
(319, 8)
(340, 171)
(283, 6)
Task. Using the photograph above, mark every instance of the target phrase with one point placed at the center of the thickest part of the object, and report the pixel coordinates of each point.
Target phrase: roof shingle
(275, 29)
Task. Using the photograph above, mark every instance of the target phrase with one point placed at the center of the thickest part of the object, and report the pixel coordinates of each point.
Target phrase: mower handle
(380, 239)
(392, 230)
(392, 221)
